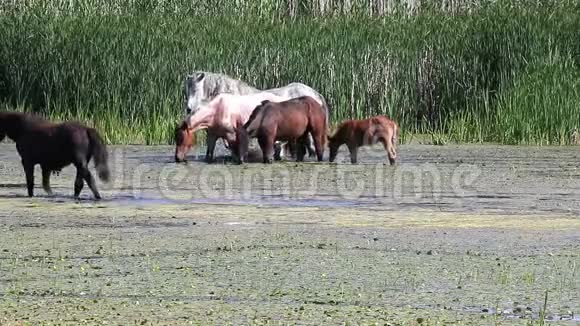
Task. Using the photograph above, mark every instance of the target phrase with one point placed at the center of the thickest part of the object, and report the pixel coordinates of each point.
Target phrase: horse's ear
(199, 77)
(265, 102)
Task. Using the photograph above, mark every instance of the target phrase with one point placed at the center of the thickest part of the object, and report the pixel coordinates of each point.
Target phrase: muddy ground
(451, 234)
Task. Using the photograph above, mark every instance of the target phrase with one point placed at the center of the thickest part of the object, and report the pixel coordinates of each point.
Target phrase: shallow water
(479, 179)
(453, 234)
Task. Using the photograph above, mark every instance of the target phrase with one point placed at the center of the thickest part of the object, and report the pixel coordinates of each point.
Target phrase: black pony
(54, 146)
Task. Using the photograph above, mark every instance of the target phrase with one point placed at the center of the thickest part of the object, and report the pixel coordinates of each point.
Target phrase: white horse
(204, 86)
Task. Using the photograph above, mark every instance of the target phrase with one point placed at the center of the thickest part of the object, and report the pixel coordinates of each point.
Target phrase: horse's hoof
(180, 160)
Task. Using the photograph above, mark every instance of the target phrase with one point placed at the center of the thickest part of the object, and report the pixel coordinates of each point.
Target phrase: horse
(292, 120)
(224, 116)
(202, 86)
(54, 146)
(184, 140)
(357, 133)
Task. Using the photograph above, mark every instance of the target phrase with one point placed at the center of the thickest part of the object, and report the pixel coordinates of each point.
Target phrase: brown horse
(54, 146)
(184, 140)
(357, 133)
(291, 121)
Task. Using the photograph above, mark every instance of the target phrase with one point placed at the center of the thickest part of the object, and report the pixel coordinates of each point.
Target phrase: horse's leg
(270, 140)
(83, 173)
(91, 182)
(278, 151)
(308, 142)
(301, 148)
(387, 141)
(267, 146)
(319, 144)
(46, 180)
(319, 150)
(281, 149)
(29, 171)
(262, 143)
(353, 153)
(79, 183)
(243, 141)
(211, 140)
(292, 147)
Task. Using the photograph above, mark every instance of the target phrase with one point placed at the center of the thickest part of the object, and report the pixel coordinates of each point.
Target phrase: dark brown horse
(54, 146)
(357, 133)
(291, 121)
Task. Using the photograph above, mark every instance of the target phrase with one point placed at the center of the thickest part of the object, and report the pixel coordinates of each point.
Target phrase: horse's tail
(99, 152)
(326, 107)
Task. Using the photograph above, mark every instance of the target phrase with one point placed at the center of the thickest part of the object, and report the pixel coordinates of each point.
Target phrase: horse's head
(184, 140)
(12, 124)
(193, 91)
(239, 147)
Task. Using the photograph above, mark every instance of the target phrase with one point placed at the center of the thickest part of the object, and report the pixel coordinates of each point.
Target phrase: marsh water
(458, 234)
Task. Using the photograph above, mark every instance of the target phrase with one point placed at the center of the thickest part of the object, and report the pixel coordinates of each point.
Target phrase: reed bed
(486, 72)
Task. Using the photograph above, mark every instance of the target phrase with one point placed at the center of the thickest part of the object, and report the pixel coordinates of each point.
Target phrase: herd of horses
(291, 120)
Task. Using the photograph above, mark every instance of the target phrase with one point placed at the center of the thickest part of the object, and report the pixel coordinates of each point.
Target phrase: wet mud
(451, 234)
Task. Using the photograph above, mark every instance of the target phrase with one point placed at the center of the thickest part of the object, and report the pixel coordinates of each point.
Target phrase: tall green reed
(465, 75)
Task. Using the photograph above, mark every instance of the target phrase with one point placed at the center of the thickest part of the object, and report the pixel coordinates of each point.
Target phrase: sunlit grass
(505, 73)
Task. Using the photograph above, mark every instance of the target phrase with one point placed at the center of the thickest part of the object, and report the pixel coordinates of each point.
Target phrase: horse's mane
(216, 83)
(30, 120)
(24, 118)
(257, 110)
(341, 130)
(13, 123)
